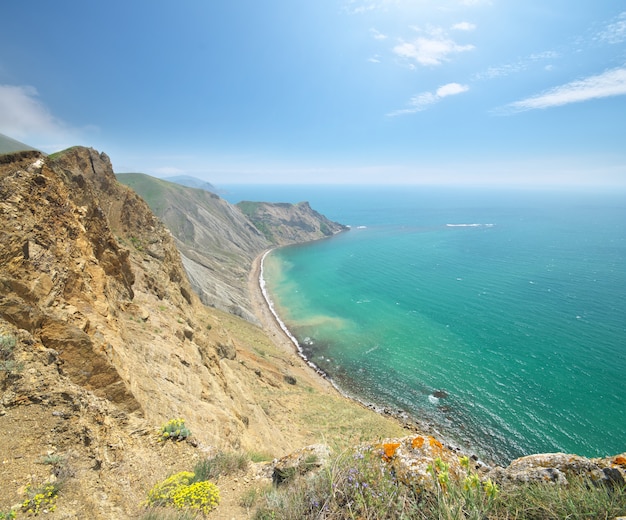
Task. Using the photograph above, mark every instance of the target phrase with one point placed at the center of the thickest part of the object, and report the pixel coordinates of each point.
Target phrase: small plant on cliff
(220, 465)
(40, 499)
(175, 430)
(183, 492)
(7, 361)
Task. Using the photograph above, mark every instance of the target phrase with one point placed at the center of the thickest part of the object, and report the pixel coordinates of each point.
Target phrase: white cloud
(374, 59)
(23, 115)
(615, 32)
(431, 50)
(451, 89)
(464, 26)
(608, 84)
(425, 100)
(378, 35)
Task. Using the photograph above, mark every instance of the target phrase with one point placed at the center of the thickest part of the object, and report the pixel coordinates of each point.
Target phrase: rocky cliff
(103, 340)
(218, 240)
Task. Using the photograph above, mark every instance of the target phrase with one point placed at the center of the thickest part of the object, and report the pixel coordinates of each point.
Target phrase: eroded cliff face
(109, 335)
(218, 241)
(284, 224)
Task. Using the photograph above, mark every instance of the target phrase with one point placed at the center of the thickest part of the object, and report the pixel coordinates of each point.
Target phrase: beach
(270, 324)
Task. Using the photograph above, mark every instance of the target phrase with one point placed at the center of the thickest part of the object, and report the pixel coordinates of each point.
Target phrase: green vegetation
(7, 351)
(361, 485)
(41, 499)
(220, 465)
(188, 494)
(250, 210)
(175, 430)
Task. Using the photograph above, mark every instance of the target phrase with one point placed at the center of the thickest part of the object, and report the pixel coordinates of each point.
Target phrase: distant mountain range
(191, 182)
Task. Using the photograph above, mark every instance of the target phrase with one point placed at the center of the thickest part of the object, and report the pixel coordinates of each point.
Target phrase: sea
(494, 318)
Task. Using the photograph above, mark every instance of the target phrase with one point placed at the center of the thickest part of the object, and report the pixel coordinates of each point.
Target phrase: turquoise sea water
(497, 318)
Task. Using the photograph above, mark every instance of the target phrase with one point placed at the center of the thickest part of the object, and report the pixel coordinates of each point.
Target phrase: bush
(174, 429)
(183, 491)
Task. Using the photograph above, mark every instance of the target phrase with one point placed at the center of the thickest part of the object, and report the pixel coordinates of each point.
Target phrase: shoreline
(284, 339)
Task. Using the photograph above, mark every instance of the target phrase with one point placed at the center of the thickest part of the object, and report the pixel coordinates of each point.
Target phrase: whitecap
(432, 399)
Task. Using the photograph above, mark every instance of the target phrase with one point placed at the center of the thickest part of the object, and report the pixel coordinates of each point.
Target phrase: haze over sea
(496, 317)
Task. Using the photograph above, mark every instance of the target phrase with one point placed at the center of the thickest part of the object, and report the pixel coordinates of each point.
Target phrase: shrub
(180, 491)
(199, 496)
(174, 429)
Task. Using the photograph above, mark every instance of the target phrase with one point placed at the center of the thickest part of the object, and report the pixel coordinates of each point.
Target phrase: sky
(476, 92)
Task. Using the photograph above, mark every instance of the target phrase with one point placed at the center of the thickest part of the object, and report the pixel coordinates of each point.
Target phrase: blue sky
(477, 92)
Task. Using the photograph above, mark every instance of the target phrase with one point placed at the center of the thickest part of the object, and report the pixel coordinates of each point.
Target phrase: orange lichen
(620, 460)
(417, 443)
(389, 450)
(434, 443)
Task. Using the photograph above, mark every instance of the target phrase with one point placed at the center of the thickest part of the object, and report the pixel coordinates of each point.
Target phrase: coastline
(276, 330)
(282, 337)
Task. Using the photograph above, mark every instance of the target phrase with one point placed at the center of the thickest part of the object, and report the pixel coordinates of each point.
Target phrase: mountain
(191, 182)
(218, 241)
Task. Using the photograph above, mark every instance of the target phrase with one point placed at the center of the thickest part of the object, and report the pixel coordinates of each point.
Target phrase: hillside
(104, 340)
(219, 241)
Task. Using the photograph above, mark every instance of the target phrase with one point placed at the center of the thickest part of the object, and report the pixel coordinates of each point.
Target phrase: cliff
(103, 340)
(218, 241)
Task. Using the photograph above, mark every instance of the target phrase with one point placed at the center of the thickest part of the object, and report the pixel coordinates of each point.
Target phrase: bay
(496, 318)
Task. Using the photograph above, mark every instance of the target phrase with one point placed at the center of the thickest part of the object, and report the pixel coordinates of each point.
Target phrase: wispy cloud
(378, 35)
(22, 114)
(615, 32)
(25, 117)
(464, 26)
(608, 84)
(433, 49)
(519, 65)
(425, 100)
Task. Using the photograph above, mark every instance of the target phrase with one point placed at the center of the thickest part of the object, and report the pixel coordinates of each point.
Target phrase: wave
(470, 225)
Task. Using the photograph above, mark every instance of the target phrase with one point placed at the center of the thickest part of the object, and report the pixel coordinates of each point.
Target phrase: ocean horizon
(493, 318)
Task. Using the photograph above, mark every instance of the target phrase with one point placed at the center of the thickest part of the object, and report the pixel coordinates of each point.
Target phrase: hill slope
(103, 340)
(218, 241)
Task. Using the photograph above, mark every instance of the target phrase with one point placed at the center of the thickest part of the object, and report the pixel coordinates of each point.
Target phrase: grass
(359, 485)
(221, 465)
